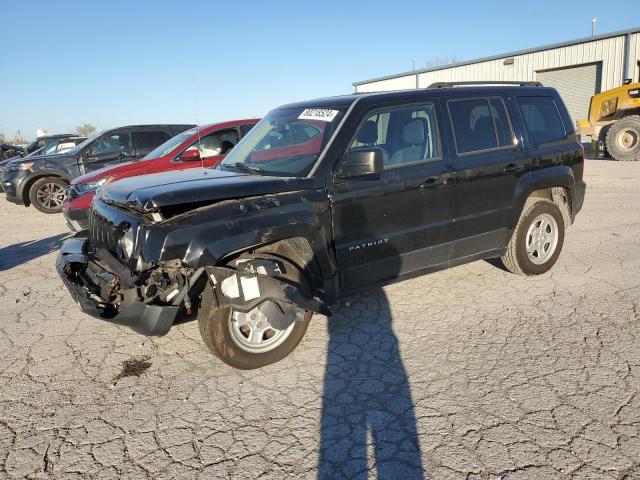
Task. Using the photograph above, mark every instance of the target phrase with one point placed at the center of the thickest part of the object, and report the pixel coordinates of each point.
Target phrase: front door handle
(435, 182)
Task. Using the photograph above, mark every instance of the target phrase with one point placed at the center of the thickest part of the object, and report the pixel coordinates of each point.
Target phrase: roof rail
(489, 82)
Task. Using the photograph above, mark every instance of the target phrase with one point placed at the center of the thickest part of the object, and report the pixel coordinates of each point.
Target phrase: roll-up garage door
(576, 85)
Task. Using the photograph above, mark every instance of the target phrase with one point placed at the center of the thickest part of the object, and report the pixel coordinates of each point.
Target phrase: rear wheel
(623, 139)
(253, 339)
(537, 240)
(47, 194)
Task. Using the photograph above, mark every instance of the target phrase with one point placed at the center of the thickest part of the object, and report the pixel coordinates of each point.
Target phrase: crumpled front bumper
(142, 318)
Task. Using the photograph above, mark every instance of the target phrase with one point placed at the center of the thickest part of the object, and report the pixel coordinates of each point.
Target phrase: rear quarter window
(542, 119)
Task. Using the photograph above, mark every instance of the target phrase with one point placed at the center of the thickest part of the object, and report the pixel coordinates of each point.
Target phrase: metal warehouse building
(577, 68)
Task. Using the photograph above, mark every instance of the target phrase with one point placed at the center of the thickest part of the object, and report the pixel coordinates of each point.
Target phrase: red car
(192, 148)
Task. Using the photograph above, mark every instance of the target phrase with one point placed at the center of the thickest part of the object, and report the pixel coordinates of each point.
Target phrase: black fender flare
(255, 279)
(558, 176)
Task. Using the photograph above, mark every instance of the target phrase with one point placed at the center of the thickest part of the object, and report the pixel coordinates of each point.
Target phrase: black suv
(41, 180)
(327, 197)
(10, 152)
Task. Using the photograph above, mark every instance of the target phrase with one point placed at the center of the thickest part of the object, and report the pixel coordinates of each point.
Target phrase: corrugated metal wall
(576, 85)
(634, 56)
(609, 51)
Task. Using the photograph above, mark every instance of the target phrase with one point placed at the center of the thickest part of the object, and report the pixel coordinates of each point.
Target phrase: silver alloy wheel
(50, 195)
(542, 238)
(253, 333)
(627, 139)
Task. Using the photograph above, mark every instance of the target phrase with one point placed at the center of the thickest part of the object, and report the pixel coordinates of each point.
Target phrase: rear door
(401, 221)
(488, 160)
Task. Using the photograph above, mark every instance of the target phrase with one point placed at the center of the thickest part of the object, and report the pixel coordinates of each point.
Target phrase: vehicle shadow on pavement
(367, 400)
(23, 252)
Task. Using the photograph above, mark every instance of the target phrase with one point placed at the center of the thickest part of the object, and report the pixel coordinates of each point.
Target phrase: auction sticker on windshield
(322, 114)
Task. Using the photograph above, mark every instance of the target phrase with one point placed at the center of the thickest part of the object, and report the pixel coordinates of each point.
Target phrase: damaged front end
(148, 302)
(111, 280)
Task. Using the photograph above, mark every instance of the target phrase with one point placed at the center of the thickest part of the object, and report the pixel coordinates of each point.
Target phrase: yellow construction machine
(614, 122)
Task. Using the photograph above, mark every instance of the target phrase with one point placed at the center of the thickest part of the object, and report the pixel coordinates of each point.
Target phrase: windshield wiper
(247, 168)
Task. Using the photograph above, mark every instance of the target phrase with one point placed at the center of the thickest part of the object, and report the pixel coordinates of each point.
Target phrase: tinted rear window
(542, 119)
(473, 125)
(147, 141)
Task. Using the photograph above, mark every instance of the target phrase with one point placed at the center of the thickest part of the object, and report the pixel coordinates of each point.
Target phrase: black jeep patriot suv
(327, 197)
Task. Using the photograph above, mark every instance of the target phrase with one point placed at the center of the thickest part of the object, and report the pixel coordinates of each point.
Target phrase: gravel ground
(467, 373)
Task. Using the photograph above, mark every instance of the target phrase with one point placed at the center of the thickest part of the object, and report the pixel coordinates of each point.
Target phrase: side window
(472, 125)
(50, 148)
(111, 144)
(217, 143)
(65, 146)
(244, 129)
(542, 119)
(147, 141)
(405, 134)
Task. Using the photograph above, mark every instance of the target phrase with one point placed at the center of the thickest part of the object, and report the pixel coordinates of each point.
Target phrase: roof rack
(490, 82)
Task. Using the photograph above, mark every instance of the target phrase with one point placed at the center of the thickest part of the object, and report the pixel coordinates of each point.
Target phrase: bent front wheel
(253, 339)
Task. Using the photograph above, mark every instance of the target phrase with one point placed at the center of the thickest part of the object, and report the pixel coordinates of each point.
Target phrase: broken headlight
(126, 243)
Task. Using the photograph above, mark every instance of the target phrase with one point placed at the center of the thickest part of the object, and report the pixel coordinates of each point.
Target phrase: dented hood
(194, 185)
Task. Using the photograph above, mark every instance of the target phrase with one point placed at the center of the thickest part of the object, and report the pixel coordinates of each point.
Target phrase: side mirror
(361, 163)
(190, 155)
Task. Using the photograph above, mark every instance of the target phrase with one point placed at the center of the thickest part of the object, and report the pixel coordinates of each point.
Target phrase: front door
(106, 150)
(400, 221)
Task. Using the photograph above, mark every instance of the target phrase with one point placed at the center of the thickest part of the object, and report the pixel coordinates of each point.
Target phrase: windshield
(80, 146)
(170, 145)
(286, 142)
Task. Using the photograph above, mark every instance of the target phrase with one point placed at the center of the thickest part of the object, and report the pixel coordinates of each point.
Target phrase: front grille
(107, 225)
(102, 233)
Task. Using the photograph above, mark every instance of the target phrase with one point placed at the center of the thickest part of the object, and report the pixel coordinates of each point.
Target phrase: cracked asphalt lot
(466, 373)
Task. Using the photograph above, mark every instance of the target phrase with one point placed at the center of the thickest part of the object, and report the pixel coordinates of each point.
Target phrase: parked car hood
(38, 158)
(195, 185)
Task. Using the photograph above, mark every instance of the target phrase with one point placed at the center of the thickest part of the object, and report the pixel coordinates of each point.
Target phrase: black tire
(214, 329)
(516, 259)
(47, 194)
(623, 139)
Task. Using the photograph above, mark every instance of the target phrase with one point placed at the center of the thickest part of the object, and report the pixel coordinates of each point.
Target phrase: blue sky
(115, 62)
